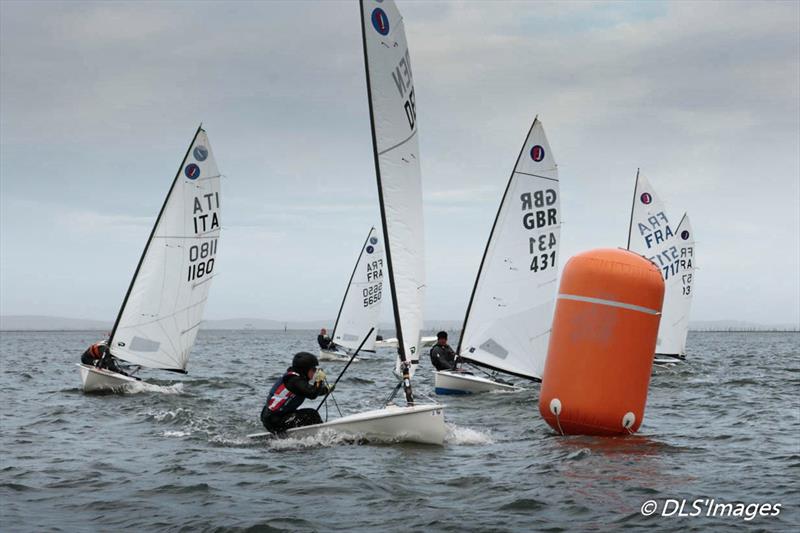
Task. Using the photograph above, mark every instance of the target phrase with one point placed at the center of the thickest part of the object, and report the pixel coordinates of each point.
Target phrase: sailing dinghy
(361, 305)
(390, 92)
(671, 249)
(162, 310)
(507, 323)
(424, 342)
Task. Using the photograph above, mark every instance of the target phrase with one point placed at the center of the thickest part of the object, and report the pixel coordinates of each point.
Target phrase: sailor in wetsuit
(442, 355)
(100, 356)
(280, 412)
(325, 342)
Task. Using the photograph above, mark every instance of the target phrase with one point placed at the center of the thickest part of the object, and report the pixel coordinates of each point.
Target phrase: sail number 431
(542, 243)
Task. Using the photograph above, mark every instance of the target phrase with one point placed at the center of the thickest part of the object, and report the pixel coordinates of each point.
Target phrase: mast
(387, 245)
(633, 206)
(150, 240)
(347, 290)
(491, 234)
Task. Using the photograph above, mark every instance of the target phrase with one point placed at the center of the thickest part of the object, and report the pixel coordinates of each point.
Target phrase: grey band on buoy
(555, 406)
(628, 420)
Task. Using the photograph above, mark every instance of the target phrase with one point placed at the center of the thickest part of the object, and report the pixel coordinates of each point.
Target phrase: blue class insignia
(192, 171)
(380, 21)
(373, 240)
(370, 249)
(537, 153)
(685, 235)
(646, 198)
(200, 152)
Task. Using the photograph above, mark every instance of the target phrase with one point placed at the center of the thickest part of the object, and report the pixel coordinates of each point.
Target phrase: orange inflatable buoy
(602, 343)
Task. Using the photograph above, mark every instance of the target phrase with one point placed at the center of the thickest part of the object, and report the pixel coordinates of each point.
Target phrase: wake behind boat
(507, 323)
(163, 308)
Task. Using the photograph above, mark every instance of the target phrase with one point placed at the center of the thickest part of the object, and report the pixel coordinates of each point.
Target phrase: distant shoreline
(281, 330)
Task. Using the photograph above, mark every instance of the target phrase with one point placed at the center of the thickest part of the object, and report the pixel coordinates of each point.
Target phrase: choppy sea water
(173, 455)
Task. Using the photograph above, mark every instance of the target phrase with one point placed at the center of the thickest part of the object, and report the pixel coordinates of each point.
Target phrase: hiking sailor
(442, 355)
(280, 412)
(99, 355)
(325, 342)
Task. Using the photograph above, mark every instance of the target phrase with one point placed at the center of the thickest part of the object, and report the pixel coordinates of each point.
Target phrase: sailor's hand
(330, 388)
(320, 377)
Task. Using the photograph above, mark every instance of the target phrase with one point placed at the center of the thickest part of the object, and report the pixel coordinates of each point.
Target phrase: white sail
(679, 278)
(650, 228)
(394, 126)
(361, 306)
(163, 309)
(654, 236)
(507, 325)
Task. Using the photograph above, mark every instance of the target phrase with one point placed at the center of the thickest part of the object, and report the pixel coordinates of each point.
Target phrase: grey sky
(98, 102)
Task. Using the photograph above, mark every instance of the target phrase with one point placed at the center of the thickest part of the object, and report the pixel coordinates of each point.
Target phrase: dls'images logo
(537, 153)
(646, 198)
(192, 171)
(685, 235)
(380, 21)
(373, 240)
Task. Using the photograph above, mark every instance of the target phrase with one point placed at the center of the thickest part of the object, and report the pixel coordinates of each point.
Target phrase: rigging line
(165, 317)
(191, 328)
(152, 233)
(209, 278)
(491, 234)
(535, 175)
(349, 283)
(633, 205)
(399, 144)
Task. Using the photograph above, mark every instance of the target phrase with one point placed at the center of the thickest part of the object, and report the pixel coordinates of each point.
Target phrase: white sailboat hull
(450, 382)
(424, 342)
(418, 423)
(667, 360)
(100, 380)
(335, 355)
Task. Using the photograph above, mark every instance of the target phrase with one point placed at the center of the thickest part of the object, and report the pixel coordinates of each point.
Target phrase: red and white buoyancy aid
(281, 400)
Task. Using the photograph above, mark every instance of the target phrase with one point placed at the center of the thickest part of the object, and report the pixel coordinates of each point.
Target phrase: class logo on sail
(685, 235)
(646, 198)
(200, 153)
(537, 153)
(370, 249)
(192, 171)
(380, 21)
(373, 240)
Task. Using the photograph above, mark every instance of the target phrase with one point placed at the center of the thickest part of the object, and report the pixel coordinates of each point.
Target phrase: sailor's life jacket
(281, 400)
(93, 354)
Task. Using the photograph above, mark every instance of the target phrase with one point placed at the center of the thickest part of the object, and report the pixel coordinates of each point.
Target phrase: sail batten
(507, 322)
(163, 308)
(390, 90)
(671, 248)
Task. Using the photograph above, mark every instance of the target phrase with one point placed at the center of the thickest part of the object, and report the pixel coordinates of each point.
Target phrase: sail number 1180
(201, 259)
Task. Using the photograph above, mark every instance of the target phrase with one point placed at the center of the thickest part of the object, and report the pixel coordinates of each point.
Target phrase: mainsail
(671, 249)
(393, 119)
(361, 306)
(507, 324)
(679, 278)
(163, 308)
